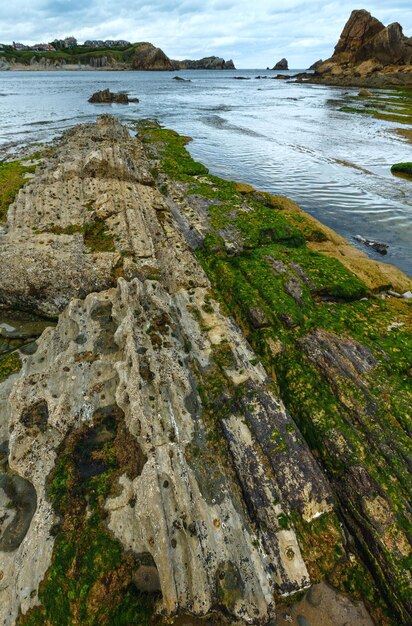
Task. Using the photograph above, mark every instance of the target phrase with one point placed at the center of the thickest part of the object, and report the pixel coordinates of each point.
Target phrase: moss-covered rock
(337, 355)
(402, 168)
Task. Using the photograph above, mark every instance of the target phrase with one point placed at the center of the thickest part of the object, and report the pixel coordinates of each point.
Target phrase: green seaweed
(9, 364)
(280, 291)
(89, 581)
(402, 168)
(12, 178)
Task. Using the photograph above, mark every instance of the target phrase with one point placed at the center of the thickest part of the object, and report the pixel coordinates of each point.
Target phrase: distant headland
(110, 54)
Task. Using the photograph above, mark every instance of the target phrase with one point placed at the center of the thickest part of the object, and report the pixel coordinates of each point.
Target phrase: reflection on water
(285, 138)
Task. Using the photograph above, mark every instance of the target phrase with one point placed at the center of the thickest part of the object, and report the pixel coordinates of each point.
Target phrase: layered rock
(209, 463)
(368, 54)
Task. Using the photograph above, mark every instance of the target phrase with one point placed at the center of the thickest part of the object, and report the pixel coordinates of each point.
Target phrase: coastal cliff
(215, 417)
(139, 56)
(368, 54)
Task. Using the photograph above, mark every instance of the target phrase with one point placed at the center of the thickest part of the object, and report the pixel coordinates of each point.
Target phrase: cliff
(207, 63)
(368, 54)
(216, 417)
(139, 56)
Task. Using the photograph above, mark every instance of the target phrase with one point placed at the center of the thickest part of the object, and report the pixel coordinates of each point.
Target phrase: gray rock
(281, 65)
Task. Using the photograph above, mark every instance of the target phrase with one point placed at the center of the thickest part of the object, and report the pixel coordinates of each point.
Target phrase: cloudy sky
(255, 33)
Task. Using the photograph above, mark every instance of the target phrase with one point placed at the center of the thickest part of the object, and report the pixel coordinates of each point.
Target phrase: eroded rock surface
(155, 458)
(209, 463)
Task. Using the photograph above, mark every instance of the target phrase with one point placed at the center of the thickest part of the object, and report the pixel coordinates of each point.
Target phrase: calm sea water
(284, 138)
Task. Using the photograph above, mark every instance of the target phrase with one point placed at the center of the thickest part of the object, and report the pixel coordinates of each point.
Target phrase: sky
(254, 33)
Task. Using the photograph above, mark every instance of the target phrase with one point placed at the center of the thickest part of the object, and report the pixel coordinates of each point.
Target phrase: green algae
(9, 364)
(347, 423)
(402, 168)
(12, 178)
(96, 236)
(390, 105)
(90, 578)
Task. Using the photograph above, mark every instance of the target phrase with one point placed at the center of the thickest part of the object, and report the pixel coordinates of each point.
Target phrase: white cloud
(255, 34)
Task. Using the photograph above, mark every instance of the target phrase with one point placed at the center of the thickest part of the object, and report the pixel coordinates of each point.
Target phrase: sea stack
(368, 54)
(281, 65)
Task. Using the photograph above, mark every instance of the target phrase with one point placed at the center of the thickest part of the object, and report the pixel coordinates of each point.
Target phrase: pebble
(407, 295)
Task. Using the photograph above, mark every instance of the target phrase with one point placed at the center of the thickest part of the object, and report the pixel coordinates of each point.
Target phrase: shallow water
(285, 138)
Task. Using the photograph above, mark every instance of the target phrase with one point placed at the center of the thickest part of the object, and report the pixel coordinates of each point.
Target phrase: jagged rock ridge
(368, 53)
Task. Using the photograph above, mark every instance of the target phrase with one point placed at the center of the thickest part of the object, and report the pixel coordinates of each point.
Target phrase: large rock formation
(148, 460)
(201, 505)
(369, 54)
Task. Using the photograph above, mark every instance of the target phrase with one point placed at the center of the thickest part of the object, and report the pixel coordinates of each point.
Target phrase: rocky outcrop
(368, 54)
(148, 57)
(149, 458)
(281, 65)
(199, 504)
(107, 97)
(208, 63)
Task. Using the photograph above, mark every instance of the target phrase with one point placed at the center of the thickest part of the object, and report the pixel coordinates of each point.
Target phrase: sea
(282, 137)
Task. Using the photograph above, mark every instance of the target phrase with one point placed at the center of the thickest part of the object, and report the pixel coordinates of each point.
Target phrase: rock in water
(107, 97)
(382, 248)
(281, 65)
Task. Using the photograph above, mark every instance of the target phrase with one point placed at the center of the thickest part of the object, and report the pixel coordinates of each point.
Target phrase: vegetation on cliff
(137, 56)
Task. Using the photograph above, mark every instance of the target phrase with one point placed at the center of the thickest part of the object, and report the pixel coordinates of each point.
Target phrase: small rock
(407, 295)
(257, 318)
(382, 248)
(395, 294)
(365, 93)
(105, 96)
(394, 326)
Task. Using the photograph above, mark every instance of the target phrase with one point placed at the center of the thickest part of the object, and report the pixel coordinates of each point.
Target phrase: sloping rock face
(144, 419)
(148, 57)
(369, 54)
